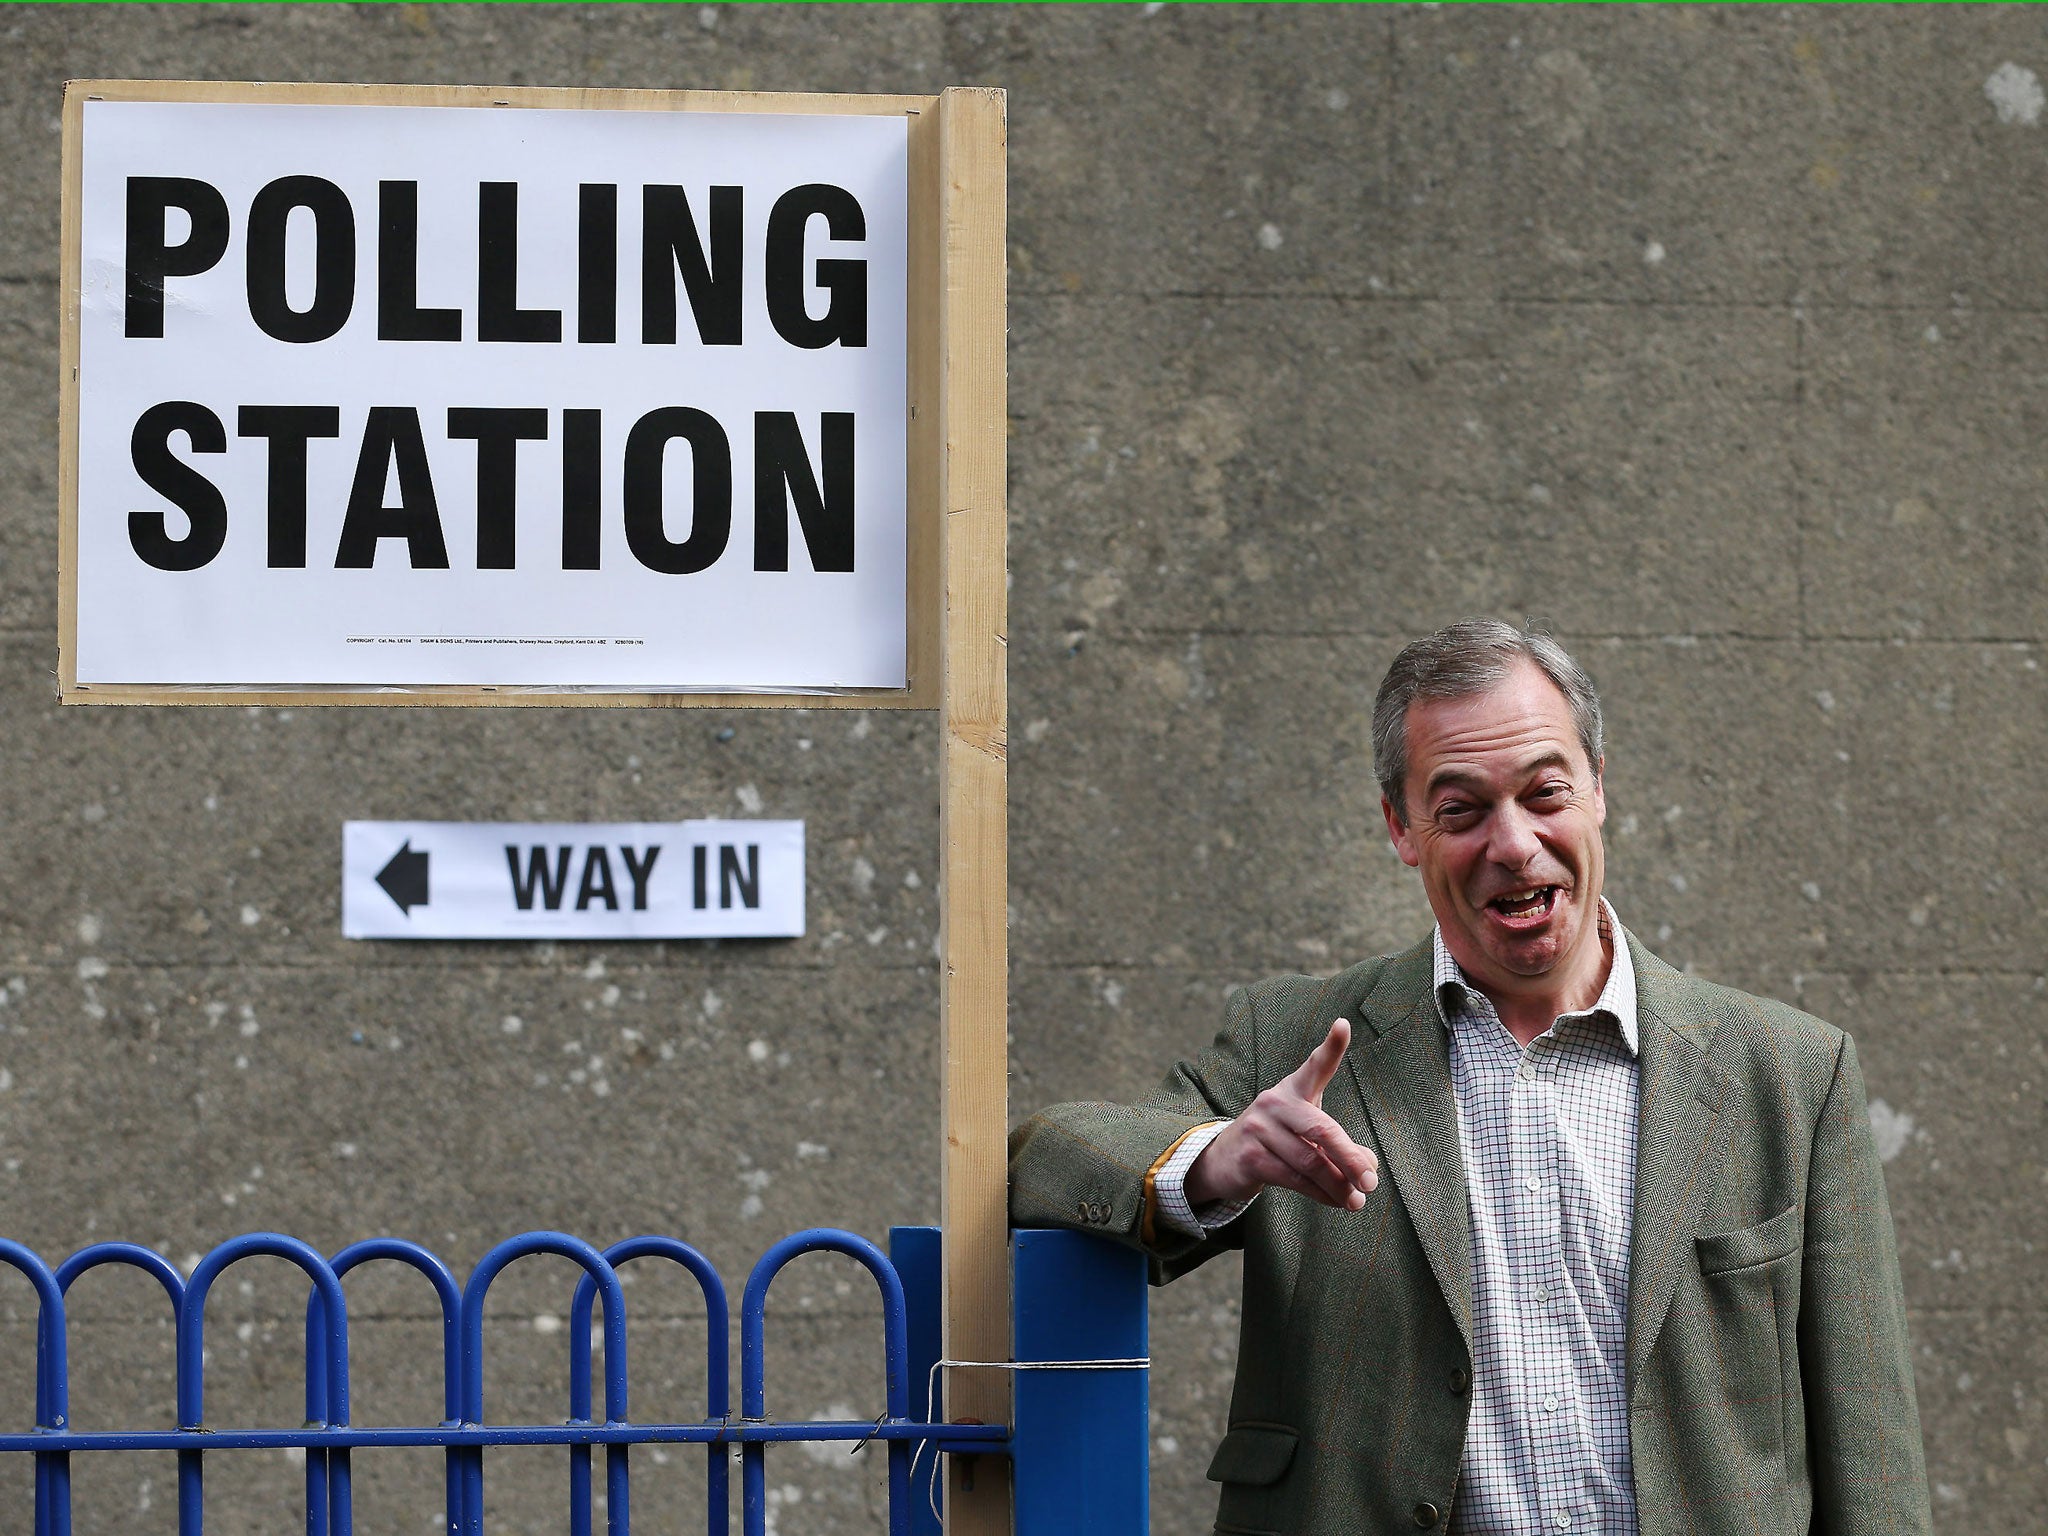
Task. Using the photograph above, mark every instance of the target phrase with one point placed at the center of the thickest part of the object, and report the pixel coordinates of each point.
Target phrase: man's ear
(1404, 841)
(1600, 792)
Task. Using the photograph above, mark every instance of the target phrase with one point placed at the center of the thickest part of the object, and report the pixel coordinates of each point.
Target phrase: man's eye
(1453, 812)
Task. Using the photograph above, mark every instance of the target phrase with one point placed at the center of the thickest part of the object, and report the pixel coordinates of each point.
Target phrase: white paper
(240, 621)
(562, 880)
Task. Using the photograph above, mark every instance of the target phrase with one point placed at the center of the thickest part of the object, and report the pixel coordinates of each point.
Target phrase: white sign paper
(555, 880)
(393, 395)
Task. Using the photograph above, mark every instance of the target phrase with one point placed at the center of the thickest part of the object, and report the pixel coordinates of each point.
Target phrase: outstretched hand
(1284, 1138)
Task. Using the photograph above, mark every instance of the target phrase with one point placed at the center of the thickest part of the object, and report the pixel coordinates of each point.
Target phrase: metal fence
(1078, 1437)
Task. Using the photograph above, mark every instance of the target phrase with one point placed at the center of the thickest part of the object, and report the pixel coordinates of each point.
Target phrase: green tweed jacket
(1770, 1388)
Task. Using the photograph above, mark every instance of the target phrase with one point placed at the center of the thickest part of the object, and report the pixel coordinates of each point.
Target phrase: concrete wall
(1715, 336)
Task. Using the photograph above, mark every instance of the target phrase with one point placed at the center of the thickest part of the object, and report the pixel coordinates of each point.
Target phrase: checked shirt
(1548, 1139)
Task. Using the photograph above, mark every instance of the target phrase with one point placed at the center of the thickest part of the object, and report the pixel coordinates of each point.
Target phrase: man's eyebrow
(1556, 757)
(1445, 777)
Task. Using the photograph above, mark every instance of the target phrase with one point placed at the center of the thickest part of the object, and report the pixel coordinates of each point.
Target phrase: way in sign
(551, 880)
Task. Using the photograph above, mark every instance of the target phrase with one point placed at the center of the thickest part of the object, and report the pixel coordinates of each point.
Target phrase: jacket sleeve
(1085, 1165)
(1863, 1425)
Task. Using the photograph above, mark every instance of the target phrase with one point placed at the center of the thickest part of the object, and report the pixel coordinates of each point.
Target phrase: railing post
(1081, 1440)
(920, 1263)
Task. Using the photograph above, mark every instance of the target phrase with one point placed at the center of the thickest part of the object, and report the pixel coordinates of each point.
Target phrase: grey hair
(1456, 662)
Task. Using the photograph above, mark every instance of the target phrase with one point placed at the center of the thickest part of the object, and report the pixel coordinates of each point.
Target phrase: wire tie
(870, 1435)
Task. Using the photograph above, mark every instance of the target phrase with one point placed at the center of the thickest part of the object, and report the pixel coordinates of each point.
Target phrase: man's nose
(1514, 843)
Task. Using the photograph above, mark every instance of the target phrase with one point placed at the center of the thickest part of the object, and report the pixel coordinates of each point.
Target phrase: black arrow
(405, 878)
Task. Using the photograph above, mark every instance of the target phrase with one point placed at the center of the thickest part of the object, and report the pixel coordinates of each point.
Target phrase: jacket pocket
(1750, 1280)
(1254, 1455)
(1720, 1252)
(1249, 1463)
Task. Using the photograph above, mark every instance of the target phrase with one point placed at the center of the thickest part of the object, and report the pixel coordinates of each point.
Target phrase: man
(1540, 1235)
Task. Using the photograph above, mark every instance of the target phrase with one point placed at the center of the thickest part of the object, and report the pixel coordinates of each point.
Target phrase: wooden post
(973, 806)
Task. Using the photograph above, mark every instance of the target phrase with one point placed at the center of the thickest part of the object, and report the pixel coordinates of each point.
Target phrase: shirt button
(1533, 1184)
(1550, 1405)
(1564, 1522)
(1425, 1515)
(1542, 1293)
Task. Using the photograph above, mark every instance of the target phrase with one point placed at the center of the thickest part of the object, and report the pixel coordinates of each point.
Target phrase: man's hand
(1284, 1138)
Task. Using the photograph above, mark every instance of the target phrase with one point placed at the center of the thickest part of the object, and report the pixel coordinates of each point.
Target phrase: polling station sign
(391, 395)
(567, 880)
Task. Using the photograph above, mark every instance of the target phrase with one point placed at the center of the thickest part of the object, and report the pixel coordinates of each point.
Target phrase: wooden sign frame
(924, 368)
(958, 622)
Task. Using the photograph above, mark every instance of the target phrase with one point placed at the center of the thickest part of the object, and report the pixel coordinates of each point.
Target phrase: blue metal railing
(1079, 1441)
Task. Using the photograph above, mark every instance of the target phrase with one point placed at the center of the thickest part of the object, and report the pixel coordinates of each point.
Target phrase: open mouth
(1526, 907)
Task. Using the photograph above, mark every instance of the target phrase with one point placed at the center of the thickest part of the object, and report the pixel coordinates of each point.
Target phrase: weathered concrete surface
(1643, 448)
(1713, 336)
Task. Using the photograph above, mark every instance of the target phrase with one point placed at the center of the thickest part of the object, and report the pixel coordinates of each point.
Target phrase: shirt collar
(1617, 999)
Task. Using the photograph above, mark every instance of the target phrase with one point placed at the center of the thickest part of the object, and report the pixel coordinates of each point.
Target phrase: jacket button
(1425, 1515)
(1460, 1378)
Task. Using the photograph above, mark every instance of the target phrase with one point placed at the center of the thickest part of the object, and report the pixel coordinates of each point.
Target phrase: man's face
(1504, 816)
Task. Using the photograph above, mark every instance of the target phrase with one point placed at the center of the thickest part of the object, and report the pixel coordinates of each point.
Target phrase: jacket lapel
(1400, 1061)
(1680, 1128)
